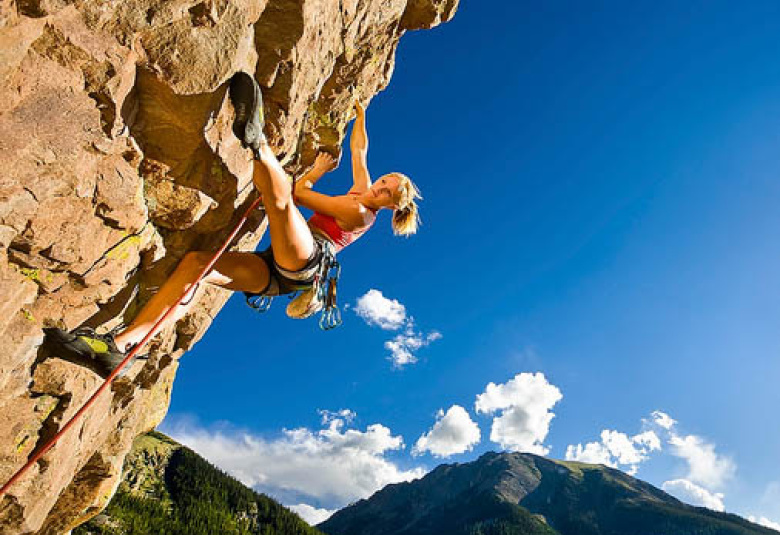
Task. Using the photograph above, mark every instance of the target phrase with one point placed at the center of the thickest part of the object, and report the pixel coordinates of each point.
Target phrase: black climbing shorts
(283, 281)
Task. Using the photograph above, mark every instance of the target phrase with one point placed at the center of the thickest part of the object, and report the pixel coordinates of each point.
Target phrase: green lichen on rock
(34, 274)
(124, 248)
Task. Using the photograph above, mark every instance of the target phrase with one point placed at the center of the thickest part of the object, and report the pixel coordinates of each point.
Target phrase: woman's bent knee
(240, 272)
(278, 204)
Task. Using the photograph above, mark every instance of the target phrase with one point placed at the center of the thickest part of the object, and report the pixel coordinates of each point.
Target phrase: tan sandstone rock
(117, 158)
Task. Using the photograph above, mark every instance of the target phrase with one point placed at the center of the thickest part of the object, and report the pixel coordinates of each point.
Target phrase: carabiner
(330, 318)
(261, 303)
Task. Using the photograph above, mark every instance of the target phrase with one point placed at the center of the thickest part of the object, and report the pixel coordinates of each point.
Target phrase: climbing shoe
(248, 103)
(85, 344)
(309, 302)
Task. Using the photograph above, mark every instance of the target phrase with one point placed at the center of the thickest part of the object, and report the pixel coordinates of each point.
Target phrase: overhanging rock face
(116, 158)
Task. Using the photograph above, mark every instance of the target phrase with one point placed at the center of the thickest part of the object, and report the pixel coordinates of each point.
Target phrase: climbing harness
(324, 286)
(52, 441)
(324, 283)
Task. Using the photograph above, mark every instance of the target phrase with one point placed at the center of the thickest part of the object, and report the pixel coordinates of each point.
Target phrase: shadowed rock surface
(117, 159)
(524, 494)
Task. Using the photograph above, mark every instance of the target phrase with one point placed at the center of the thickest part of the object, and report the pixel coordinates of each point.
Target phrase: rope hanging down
(52, 441)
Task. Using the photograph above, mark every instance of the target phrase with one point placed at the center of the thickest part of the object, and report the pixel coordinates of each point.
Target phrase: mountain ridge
(168, 488)
(522, 493)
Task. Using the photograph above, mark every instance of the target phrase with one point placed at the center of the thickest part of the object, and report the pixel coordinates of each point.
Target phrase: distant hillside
(169, 489)
(523, 494)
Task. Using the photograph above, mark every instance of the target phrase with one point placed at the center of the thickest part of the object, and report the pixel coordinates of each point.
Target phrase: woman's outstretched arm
(348, 212)
(358, 144)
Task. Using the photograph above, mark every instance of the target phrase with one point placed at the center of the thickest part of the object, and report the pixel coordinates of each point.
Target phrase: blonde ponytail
(406, 217)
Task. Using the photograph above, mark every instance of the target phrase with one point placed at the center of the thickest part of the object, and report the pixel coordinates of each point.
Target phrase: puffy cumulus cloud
(693, 494)
(764, 521)
(705, 466)
(616, 449)
(523, 405)
(403, 347)
(330, 467)
(391, 315)
(592, 452)
(311, 515)
(662, 420)
(376, 309)
(454, 432)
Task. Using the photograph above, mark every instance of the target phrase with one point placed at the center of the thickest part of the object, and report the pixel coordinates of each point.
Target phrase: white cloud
(330, 467)
(662, 419)
(649, 440)
(764, 521)
(337, 418)
(616, 449)
(705, 466)
(312, 515)
(629, 451)
(378, 310)
(524, 404)
(391, 315)
(403, 346)
(592, 452)
(454, 432)
(693, 494)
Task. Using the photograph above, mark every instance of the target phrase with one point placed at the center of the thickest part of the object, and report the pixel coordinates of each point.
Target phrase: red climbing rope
(46, 447)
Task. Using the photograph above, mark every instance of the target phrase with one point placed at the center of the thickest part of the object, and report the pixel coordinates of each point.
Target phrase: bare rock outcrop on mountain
(117, 158)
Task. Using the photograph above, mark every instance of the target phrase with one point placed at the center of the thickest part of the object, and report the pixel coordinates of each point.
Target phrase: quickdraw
(331, 315)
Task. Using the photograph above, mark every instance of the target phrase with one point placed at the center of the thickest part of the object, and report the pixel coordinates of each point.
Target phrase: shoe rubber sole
(247, 101)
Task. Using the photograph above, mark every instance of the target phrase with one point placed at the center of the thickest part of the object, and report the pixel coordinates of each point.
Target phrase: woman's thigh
(241, 272)
(291, 238)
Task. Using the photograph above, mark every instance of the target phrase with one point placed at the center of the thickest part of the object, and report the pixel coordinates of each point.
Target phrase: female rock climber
(298, 247)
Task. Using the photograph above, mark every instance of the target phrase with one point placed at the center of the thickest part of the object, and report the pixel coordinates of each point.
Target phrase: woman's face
(383, 190)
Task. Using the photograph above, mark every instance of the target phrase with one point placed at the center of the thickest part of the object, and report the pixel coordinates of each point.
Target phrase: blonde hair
(406, 218)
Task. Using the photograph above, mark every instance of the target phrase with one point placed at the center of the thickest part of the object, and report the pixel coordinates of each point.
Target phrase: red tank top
(330, 227)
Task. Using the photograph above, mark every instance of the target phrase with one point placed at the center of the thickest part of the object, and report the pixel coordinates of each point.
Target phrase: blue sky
(601, 191)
